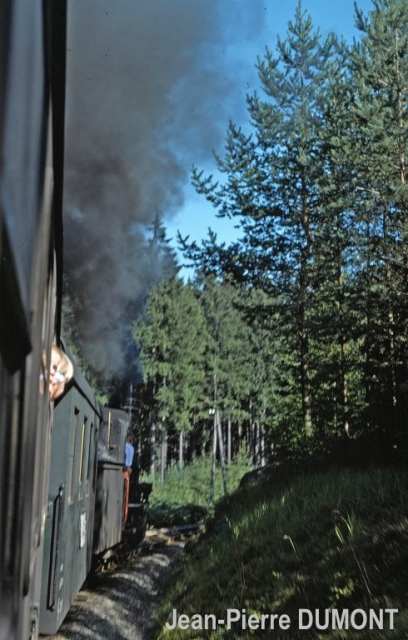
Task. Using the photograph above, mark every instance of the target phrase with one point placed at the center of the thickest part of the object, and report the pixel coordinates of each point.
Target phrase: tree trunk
(163, 451)
(181, 450)
(256, 444)
(342, 340)
(213, 460)
(251, 434)
(152, 449)
(304, 329)
(391, 341)
(305, 369)
(229, 452)
(262, 446)
(222, 454)
(344, 386)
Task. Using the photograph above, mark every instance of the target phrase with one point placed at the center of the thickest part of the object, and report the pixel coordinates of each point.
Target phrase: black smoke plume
(151, 86)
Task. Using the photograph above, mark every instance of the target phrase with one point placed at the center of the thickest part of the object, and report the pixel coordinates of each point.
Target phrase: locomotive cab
(111, 492)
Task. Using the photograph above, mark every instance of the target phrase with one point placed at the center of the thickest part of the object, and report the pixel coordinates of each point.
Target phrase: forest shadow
(166, 514)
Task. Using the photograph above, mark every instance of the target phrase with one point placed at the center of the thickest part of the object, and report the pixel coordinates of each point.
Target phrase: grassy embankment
(333, 540)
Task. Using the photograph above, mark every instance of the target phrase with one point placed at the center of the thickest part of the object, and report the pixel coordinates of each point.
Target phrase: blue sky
(151, 86)
(195, 216)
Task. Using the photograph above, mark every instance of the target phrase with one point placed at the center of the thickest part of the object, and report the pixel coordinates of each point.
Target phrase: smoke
(151, 86)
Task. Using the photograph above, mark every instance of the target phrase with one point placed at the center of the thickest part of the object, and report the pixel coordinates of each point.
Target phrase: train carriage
(32, 72)
(68, 546)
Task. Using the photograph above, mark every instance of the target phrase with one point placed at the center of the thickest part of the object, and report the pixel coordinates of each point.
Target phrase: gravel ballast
(119, 605)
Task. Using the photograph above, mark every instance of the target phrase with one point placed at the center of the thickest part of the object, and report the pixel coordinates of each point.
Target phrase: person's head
(61, 372)
(130, 438)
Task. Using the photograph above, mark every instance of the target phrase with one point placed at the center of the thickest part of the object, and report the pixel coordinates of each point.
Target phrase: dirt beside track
(119, 605)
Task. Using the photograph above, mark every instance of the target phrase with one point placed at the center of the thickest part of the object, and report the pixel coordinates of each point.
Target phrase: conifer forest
(292, 341)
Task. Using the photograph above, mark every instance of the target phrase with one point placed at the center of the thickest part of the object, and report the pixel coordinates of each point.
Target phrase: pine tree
(271, 187)
(379, 66)
(172, 339)
(162, 256)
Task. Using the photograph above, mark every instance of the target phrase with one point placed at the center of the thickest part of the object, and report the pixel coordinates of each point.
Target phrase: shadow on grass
(170, 515)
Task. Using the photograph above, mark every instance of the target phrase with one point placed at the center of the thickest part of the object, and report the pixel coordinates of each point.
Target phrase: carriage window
(109, 430)
(83, 450)
(9, 480)
(71, 462)
(91, 437)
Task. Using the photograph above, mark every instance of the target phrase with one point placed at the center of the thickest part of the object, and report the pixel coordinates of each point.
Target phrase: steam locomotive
(64, 494)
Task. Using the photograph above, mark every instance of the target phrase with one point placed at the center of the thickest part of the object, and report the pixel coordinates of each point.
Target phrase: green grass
(334, 540)
(185, 495)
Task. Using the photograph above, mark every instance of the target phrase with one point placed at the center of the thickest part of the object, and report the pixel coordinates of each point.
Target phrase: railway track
(154, 540)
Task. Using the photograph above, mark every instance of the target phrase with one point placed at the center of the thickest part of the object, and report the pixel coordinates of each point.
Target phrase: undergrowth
(184, 497)
(334, 540)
